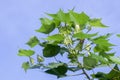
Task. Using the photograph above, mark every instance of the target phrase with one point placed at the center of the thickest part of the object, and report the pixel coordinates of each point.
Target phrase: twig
(84, 72)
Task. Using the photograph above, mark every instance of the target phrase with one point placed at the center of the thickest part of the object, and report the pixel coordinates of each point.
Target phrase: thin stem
(84, 72)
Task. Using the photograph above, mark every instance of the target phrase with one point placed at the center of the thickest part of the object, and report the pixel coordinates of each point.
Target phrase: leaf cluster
(74, 39)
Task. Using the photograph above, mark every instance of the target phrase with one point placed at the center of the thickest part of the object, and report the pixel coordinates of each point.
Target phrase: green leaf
(100, 58)
(47, 26)
(23, 52)
(96, 23)
(80, 19)
(114, 59)
(61, 16)
(36, 66)
(40, 58)
(33, 41)
(51, 50)
(118, 35)
(25, 66)
(100, 76)
(46, 21)
(82, 35)
(54, 65)
(31, 60)
(102, 44)
(89, 62)
(114, 73)
(60, 71)
(63, 50)
(74, 69)
(46, 29)
(55, 37)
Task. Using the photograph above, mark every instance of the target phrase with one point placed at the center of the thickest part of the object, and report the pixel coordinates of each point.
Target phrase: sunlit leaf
(23, 52)
(55, 37)
(36, 66)
(51, 50)
(40, 58)
(31, 60)
(96, 23)
(61, 16)
(80, 19)
(33, 41)
(82, 35)
(115, 59)
(25, 66)
(54, 65)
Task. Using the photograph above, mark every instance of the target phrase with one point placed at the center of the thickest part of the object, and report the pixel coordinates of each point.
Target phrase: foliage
(85, 50)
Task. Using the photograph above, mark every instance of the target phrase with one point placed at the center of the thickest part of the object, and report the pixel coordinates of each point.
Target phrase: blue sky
(19, 19)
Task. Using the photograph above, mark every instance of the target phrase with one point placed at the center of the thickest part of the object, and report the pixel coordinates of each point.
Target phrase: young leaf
(25, 66)
(60, 71)
(40, 58)
(114, 59)
(46, 21)
(31, 60)
(51, 50)
(82, 35)
(23, 52)
(80, 19)
(89, 62)
(96, 23)
(55, 37)
(33, 41)
(46, 29)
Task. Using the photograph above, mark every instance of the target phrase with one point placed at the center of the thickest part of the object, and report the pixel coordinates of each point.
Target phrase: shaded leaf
(100, 58)
(114, 73)
(89, 62)
(51, 50)
(33, 41)
(23, 52)
(63, 50)
(100, 76)
(60, 71)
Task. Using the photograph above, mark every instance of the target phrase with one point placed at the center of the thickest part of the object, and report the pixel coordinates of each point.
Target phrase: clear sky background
(19, 19)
